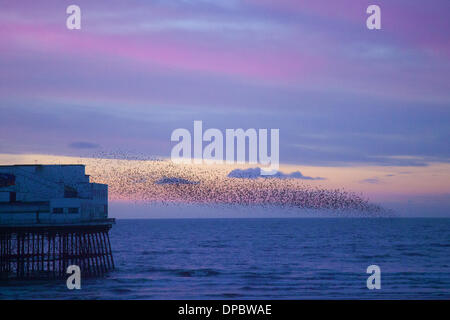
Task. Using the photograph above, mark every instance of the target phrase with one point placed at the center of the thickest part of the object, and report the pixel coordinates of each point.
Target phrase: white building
(49, 194)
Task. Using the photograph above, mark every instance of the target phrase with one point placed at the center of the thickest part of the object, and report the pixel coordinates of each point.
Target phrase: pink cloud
(267, 64)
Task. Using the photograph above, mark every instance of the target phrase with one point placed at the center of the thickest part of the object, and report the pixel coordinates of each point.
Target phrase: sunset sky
(366, 110)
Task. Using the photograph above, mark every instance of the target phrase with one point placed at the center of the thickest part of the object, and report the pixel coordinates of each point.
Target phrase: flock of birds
(158, 180)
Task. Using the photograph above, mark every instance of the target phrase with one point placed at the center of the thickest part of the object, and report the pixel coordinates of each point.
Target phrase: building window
(70, 192)
(73, 210)
(12, 197)
(7, 180)
(58, 210)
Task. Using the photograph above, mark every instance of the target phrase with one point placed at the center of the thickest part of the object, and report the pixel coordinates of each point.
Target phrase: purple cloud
(371, 181)
(254, 173)
(83, 145)
(301, 66)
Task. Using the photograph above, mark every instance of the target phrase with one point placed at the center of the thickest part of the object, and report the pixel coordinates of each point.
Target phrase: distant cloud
(402, 161)
(251, 173)
(83, 145)
(174, 180)
(299, 175)
(254, 173)
(371, 181)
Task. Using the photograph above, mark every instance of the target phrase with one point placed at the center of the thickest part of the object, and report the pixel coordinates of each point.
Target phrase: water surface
(265, 259)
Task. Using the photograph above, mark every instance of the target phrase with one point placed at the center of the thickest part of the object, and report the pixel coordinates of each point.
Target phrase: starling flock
(145, 179)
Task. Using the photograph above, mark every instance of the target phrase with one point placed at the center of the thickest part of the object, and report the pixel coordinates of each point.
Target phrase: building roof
(42, 165)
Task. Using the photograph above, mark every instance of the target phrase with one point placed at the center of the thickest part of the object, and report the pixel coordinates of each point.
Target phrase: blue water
(266, 259)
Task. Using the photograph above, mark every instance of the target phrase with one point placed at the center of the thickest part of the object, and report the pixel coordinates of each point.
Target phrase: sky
(368, 110)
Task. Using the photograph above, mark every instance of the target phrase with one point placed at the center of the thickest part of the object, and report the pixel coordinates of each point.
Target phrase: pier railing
(38, 218)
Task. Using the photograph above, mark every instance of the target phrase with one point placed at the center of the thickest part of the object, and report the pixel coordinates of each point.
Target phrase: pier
(52, 217)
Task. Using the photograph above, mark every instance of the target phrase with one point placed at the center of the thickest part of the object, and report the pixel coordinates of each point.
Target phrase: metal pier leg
(110, 251)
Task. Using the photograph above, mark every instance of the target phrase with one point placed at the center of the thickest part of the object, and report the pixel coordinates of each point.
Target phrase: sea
(298, 258)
